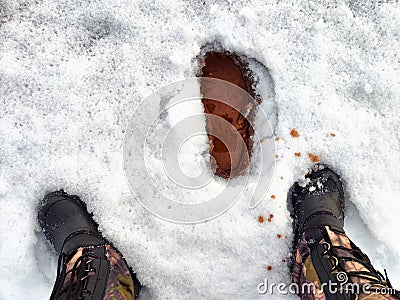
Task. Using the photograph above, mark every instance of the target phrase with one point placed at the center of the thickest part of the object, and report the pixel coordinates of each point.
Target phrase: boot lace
(375, 278)
(75, 287)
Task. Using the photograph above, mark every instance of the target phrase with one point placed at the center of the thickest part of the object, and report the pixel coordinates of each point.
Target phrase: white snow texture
(71, 73)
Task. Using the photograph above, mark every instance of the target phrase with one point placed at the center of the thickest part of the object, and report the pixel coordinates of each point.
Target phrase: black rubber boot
(67, 224)
(69, 227)
(314, 204)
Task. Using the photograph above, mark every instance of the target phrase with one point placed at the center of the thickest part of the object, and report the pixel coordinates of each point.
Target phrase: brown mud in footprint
(229, 67)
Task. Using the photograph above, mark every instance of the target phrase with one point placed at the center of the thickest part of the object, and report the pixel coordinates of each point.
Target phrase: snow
(72, 73)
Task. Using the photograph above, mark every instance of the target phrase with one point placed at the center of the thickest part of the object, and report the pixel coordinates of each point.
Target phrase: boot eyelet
(335, 263)
(327, 247)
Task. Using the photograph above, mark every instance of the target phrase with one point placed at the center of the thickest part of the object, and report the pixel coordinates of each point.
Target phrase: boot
(75, 237)
(317, 208)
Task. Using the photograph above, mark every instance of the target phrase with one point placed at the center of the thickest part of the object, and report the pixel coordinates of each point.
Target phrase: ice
(71, 73)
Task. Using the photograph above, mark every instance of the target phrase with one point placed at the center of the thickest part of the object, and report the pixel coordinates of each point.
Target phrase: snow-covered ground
(72, 73)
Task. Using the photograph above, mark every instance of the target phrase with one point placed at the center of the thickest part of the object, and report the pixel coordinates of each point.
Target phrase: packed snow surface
(72, 73)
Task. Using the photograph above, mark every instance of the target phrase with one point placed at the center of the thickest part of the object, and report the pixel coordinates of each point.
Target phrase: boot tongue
(97, 282)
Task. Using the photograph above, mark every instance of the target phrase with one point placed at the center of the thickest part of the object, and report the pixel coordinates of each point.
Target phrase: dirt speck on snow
(313, 158)
(294, 133)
